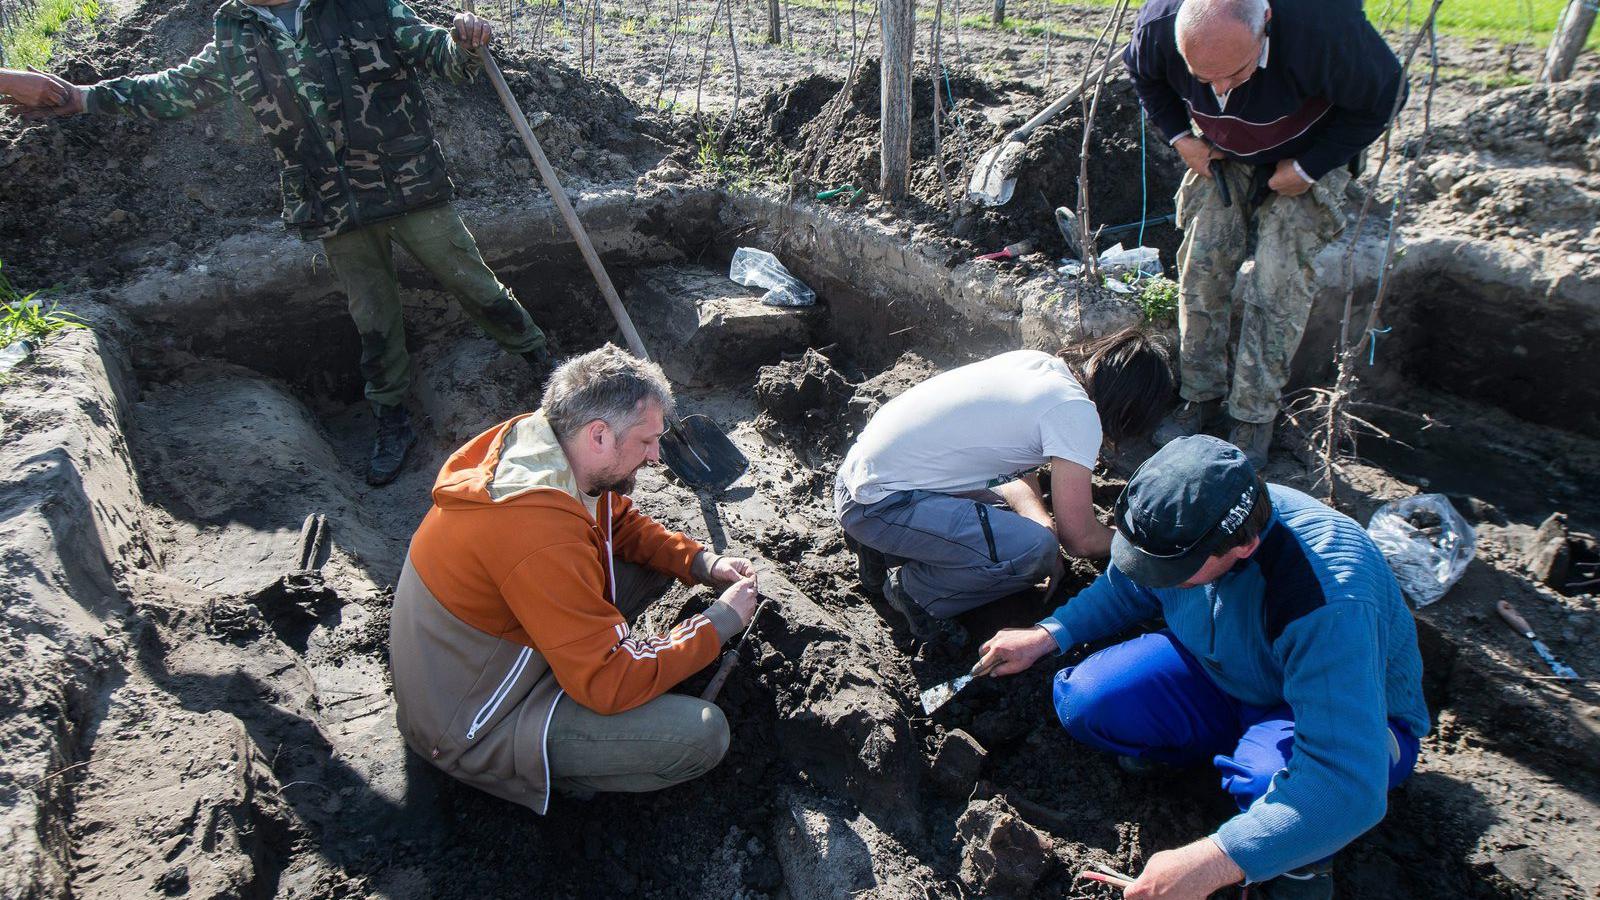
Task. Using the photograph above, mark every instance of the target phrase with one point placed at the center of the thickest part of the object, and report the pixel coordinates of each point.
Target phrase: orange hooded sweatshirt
(509, 549)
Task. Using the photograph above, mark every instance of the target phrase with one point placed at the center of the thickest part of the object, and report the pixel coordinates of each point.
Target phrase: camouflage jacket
(340, 104)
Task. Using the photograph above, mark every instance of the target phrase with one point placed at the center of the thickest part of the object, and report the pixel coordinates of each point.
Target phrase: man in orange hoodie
(514, 668)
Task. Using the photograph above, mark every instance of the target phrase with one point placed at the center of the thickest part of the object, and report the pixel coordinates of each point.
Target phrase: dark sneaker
(1188, 419)
(1311, 883)
(924, 627)
(542, 364)
(871, 567)
(1254, 438)
(389, 449)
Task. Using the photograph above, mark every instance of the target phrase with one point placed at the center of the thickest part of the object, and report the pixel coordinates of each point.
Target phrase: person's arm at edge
(183, 90)
(429, 48)
(1079, 529)
(1109, 604)
(1145, 61)
(1361, 79)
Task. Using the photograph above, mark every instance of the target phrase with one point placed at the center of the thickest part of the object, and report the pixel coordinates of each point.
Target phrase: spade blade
(940, 694)
(697, 451)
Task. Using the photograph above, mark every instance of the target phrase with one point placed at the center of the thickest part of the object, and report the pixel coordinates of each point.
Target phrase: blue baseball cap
(1185, 500)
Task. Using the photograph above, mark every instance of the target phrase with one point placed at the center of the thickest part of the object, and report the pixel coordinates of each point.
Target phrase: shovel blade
(697, 451)
(994, 179)
(940, 694)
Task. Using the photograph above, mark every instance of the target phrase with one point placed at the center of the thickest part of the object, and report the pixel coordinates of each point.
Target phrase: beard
(617, 483)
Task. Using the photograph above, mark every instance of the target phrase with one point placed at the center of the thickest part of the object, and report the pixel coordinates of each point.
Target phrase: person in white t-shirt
(942, 482)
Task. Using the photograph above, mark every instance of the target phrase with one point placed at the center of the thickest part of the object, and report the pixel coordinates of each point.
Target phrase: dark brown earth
(186, 715)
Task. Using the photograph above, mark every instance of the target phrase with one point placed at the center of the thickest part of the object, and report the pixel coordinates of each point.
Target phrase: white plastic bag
(758, 268)
(1116, 261)
(1427, 543)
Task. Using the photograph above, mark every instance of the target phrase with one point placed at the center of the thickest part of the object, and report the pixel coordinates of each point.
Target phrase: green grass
(1507, 21)
(24, 316)
(1159, 299)
(33, 41)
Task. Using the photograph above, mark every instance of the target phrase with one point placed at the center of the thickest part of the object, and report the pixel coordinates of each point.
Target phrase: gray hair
(607, 384)
(1195, 17)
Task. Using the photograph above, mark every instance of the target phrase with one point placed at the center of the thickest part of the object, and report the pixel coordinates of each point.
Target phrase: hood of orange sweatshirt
(518, 461)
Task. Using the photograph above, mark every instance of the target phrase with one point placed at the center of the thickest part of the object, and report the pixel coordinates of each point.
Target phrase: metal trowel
(940, 694)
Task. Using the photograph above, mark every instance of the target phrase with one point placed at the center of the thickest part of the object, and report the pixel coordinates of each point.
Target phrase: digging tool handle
(1217, 166)
(570, 216)
(1513, 618)
(1050, 112)
(730, 660)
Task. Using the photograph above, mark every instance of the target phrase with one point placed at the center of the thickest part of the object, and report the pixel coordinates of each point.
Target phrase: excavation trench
(240, 716)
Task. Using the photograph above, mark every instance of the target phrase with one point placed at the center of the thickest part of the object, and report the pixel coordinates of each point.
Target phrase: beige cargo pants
(1276, 296)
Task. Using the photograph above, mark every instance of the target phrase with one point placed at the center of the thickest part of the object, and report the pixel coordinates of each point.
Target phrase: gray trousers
(954, 553)
(669, 740)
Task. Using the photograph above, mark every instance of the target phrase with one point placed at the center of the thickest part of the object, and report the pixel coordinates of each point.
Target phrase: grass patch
(1507, 21)
(1159, 299)
(24, 316)
(32, 40)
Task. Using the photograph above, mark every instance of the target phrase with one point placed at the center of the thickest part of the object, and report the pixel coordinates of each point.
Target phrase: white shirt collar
(1266, 49)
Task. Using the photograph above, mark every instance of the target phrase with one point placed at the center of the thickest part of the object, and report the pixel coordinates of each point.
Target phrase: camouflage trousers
(436, 237)
(1277, 295)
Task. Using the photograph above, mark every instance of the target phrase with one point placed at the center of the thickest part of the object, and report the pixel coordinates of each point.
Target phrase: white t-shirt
(974, 427)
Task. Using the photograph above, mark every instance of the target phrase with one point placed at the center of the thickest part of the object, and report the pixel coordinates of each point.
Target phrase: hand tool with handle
(694, 448)
(1010, 251)
(730, 659)
(994, 179)
(1217, 173)
(1521, 626)
(942, 693)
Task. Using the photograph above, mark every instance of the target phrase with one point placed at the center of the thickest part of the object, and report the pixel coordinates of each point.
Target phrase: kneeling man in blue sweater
(1289, 661)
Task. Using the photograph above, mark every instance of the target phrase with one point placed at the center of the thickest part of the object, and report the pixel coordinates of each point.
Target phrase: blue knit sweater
(1313, 619)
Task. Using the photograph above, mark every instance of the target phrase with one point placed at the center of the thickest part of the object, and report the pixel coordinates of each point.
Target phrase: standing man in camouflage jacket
(334, 86)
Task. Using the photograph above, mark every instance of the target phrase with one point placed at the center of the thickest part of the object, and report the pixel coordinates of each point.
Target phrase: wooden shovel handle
(1515, 620)
(553, 184)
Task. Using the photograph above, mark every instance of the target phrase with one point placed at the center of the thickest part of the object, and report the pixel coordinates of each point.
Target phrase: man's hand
(66, 99)
(1192, 872)
(741, 595)
(1197, 153)
(1287, 181)
(471, 31)
(33, 89)
(728, 569)
(1013, 650)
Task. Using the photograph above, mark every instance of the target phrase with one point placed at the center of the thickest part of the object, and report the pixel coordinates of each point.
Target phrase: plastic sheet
(1427, 543)
(758, 268)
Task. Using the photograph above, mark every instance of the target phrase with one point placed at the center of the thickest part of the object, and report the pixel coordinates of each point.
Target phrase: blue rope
(1372, 348)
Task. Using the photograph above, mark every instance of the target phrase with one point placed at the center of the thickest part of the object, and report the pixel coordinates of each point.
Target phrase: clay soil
(190, 712)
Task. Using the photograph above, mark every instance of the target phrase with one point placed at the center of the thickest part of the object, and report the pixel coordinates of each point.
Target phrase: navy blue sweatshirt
(1324, 94)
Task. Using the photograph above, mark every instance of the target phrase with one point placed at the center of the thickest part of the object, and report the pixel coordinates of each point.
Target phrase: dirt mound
(1556, 122)
(101, 196)
(809, 129)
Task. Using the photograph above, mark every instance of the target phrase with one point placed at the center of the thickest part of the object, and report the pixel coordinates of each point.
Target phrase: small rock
(958, 762)
(1549, 555)
(556, 84)
(539, 119)
(580, 155)
(117, 216)
(174, 881)
(1002, 855)
(522, 167)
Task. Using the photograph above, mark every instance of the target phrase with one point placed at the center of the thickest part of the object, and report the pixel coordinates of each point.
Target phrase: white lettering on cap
(1236, 516)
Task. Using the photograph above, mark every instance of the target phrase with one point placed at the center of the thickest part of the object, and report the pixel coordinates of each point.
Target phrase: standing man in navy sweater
(1276, 99)
(1289, 661)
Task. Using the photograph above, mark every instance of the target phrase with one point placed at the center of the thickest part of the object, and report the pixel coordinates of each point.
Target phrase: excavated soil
(193, 708)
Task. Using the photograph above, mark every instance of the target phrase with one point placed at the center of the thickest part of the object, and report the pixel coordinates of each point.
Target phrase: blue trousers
(954, 553)
(1150, 699)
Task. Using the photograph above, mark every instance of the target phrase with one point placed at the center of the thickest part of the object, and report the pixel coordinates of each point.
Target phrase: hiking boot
(1187, 419)
(924, 627)
(542, 364)
(1254, 438)
(871, 567)
(1314, 882)
(393, 442)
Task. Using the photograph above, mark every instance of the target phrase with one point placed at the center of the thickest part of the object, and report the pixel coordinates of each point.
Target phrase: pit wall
(71, 529)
